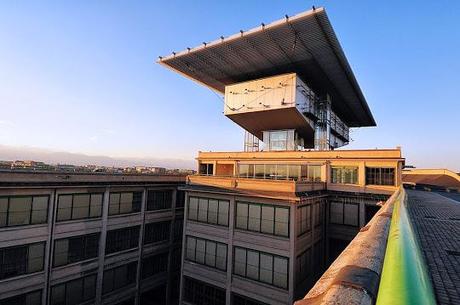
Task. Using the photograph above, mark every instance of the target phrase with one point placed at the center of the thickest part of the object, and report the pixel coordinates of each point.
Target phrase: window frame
(133, 210)
(274, 256)
(206, 241)
(262, 205)
(23, 265)
(8, 204)
(383, 177)
(219, 212)
(72, 206)
(85, 241)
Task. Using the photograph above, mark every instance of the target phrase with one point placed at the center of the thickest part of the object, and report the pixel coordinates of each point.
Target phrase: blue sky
(80, 76)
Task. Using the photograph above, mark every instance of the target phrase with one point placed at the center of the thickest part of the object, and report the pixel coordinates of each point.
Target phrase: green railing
(404, 279)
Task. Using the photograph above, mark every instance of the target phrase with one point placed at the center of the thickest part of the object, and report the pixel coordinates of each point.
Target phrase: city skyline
(99, 76)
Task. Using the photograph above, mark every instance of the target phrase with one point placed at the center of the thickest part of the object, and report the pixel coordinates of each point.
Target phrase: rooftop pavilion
(284, 81)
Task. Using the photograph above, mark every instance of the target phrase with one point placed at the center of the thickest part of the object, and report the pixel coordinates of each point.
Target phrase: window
(156, 232)
(303, 262)
(344, 213)
(318, 257)
(199, 293)
(30, 298)
(318, 212)
(125, 203)
(263, 218)
(23, 210)
(344, 175)
(74, 292)
(159, 200)
(240, 300)
(303, 219)
(279, 140)
(154, 264)
(380, 176)
(295, 172)
(75, 249)
(206, 169)
(206, 252)
(208, 210)
(176, 258)
(260, 266)
(119, 277)
(122, 239)
(79, 206)
(22, 259)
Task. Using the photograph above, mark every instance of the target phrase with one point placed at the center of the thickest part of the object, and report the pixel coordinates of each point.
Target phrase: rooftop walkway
(436, 222)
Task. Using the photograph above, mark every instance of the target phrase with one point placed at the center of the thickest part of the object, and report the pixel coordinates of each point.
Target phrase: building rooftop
(305, 44)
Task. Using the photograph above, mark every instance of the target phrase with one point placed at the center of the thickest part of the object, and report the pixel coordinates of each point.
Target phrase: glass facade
(30, 298)
(303, 219)
(199, 293)
(157, 232)
(122, 239)
(344, 213)
(310, 172)
(119, 277)
(154, 264)
(159, 200)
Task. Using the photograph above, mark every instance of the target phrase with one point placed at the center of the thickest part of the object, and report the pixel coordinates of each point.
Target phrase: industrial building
(262, 225)
(89, 238)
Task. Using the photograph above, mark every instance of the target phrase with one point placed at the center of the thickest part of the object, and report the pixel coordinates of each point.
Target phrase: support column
(102, 240)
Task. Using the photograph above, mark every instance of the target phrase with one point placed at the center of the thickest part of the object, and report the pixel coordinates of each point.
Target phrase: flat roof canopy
(305, 44)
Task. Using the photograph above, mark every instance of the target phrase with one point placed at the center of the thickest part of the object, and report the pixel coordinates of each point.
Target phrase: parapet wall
(353, 278)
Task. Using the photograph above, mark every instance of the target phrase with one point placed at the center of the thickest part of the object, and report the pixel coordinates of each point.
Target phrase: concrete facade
(31, 286)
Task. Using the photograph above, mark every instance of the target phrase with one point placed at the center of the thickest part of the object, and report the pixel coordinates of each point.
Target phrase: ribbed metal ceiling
(305, 44)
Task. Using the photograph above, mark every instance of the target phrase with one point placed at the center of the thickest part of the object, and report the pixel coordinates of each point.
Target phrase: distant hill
(11, 153)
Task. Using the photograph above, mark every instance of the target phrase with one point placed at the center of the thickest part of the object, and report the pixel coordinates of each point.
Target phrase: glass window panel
(243, 170)
(281, 171)
(266, 268)
(126, 203)
(223, 212)
(80, 208)
(294, 172)
(259, 171)
(120, 276)
(33, 298)
(254, 217)
(268, 217)
(61, 248)
(280, 266)
(39, 209)
(252, 265)
(95, 209)
(242, 215)
(89, 287)
(213, 210)
(191, 246)
(240, 262)
(64, 211)
(114, 204)
(74, 292)
(200, 251)
(221, 259)
(19, 210)
(336, 212)
(193, 208)
(282, 221)
(36, 254)
(270, 171)
(210, 253)
(58, 294)
(203, 209)
(107, 284)
(3, 211)
(351, 214)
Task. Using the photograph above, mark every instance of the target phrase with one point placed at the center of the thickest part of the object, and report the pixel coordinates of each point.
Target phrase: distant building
(30, 165)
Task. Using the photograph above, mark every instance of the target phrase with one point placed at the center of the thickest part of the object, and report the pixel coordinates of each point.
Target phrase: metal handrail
(405, 279)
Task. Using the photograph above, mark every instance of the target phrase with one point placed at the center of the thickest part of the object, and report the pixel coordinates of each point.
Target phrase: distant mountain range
(11, 153)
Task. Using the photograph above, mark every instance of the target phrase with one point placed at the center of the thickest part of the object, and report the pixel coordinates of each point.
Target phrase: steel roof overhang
(305, 44)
